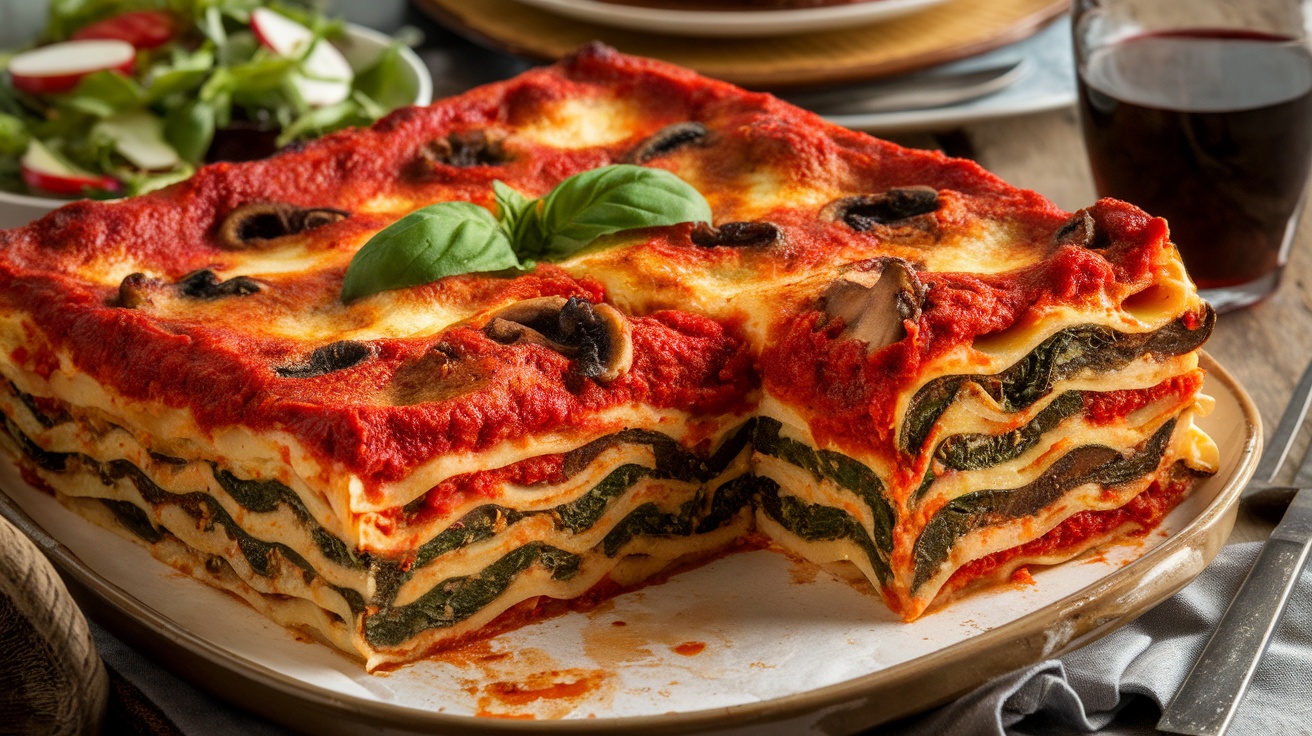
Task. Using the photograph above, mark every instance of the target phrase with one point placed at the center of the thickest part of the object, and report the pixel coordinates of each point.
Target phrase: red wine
(1211, 130)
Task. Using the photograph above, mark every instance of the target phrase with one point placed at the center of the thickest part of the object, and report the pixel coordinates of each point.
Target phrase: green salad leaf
(386, 82)
(213, 74)
(189, 128)
(453, 238)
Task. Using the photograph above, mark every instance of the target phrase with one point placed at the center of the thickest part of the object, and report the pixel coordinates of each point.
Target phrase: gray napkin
(1118, 684)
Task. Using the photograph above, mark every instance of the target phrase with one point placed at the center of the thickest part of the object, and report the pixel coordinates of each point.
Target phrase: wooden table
(1265, 346)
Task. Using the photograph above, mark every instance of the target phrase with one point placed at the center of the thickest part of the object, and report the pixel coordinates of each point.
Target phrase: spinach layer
(818, 523)
(835, 467)
(1089, 464)
(1061, 356)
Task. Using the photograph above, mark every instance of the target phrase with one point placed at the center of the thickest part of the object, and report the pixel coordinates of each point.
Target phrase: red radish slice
(327, 75)
(42, 171)
(58, 67)
(144, 29)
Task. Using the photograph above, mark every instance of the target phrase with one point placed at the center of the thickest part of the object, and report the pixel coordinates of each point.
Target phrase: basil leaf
(609, 200)
(514, 211)
(444, 239)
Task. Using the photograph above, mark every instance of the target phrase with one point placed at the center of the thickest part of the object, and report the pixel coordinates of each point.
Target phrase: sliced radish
(43, 171)
(59, 66)
(326, 75)
(144, 29)
(139, 137)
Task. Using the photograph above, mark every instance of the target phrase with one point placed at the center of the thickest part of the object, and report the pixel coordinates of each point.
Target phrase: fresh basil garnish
(612, 199)
(517, 213)
(453, 238)
(444, 239)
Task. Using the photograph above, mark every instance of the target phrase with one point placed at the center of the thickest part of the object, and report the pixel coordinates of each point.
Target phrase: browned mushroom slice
(136, 290)
(441, 373)
(1081, 230)
(667, 140)
(462, 149)
(864, 212)
(874, 302)
(596, 337)
(253, 224)
(337, 356)
(204, 284)
(747, 234)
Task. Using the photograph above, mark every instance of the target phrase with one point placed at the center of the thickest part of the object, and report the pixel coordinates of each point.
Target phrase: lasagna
(876, 357)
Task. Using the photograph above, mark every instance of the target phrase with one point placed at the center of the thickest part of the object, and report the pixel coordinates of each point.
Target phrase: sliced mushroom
(136, 291)
(204, 284)
(255, 223)
(1081, 230)
(865, 211)
(337, 356)
(440, 374)
(667, 140)
(875, 301)
(460, 148)
(748, 234)
(596, 337)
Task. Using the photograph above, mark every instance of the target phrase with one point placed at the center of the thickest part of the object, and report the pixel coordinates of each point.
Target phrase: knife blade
(1261, 497)
(1211, 692)
(1210, 695)
(913, 92)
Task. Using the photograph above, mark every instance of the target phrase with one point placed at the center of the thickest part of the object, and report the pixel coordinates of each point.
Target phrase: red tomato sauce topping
(1105, 407)
(1145, 511)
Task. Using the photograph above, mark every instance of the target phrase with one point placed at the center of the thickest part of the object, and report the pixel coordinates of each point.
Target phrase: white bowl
(360, 46)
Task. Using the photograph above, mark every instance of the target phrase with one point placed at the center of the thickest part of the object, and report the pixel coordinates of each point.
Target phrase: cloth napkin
(1116, 685)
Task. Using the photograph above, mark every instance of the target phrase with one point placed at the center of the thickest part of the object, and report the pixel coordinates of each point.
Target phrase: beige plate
(750, 644)
(938, 34)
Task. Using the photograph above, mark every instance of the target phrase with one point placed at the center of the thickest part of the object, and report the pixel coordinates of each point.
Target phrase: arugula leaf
(320, 120)
(388, 81)
(102, 94)
(181, 75)
(189, 128)
(13, 136)
(612, 199)
(444, 239)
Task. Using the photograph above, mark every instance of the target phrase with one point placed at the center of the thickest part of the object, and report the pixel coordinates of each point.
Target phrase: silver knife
(912, 92)
(1210, 695)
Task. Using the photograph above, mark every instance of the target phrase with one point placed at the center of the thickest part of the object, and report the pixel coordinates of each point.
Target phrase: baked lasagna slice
(870, 355)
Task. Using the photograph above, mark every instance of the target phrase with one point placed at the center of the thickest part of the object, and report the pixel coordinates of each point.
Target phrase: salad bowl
(359, 45)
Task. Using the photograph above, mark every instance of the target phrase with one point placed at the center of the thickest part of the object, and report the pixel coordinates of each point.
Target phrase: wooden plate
(752, 643)
(939, 34)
